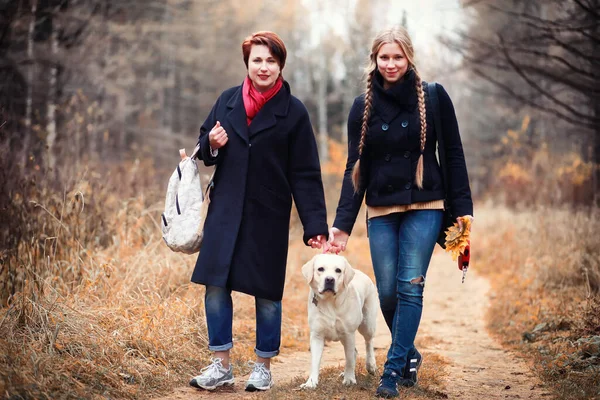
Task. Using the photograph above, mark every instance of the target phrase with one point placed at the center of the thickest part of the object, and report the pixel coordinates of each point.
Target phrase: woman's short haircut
(269, 39)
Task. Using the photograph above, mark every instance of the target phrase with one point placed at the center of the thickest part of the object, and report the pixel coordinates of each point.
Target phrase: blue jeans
(219, 319)
(401, 248)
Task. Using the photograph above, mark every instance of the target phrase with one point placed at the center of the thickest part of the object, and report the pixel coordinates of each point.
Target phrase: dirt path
(454, 315)
(454, 327)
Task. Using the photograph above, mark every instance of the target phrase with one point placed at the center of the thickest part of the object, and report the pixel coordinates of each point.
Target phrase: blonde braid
(363, 131)
(423, 118)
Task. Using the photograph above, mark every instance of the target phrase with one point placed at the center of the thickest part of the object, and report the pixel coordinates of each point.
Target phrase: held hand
(319, 241)
(217, 137)
(338, 240)
(460, 222)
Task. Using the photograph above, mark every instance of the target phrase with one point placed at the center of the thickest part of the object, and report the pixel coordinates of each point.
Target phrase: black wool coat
(392, 149)
(260, 169)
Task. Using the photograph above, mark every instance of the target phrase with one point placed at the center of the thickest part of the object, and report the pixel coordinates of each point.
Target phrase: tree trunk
(322, 106)
(168, 71)
(596, 132)
(29, 99)
(52, 99)
(101, 94)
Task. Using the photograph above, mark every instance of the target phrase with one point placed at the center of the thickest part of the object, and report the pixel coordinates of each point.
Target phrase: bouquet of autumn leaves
(458, 237)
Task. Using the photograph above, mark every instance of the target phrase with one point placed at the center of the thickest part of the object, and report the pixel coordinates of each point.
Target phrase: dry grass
(87, 318)
(94, 304)
(544, 266)
(330, 383)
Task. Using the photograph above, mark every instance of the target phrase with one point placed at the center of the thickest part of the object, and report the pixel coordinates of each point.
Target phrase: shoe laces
(260, 370)
(214, 369)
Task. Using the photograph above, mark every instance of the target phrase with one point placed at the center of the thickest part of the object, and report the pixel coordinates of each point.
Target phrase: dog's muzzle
(329, 285)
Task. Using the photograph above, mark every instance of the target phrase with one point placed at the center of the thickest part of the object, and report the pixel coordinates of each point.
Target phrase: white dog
(341, 300)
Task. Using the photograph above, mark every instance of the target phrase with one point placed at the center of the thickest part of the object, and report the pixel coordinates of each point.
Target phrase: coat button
(249, 144)
(407, 154)
(407, 186)
(388, 157)
(404, 124)
(385, 127)
(390, 188)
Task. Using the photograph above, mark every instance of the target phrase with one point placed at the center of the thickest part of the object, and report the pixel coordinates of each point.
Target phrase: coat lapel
(267, 116)
(237, 115)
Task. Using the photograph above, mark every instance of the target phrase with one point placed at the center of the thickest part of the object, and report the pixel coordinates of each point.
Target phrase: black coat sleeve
(209, 123)
(305, 178)
(459, 196)
(350, 202)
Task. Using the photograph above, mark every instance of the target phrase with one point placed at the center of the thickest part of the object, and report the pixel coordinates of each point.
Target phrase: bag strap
(195, 152)
(211, 183)
(434, 102)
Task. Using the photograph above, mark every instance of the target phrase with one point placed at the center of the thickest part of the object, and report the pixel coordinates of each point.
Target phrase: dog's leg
(367, 330)
(368, 334)
(370, 356)
(350, 352)
(316, 351)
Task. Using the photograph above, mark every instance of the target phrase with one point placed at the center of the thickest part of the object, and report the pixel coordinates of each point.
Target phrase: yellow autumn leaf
(457, 239)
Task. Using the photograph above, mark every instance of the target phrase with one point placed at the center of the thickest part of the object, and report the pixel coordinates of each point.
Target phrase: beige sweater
(373, 212)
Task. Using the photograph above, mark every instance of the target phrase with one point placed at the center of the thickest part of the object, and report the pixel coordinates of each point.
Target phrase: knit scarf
(254, 100)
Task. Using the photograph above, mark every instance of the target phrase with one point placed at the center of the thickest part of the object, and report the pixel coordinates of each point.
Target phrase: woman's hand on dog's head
(338, 240)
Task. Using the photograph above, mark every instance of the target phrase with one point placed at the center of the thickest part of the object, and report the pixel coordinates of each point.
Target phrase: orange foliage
(457, 239)
(337, 159)
(535, 174)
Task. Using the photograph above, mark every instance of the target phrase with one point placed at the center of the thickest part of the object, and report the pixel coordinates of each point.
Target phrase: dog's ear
(308, 270)
(348, 273)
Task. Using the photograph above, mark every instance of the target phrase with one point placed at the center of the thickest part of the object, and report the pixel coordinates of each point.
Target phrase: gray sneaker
(213, 376)
(260, 379)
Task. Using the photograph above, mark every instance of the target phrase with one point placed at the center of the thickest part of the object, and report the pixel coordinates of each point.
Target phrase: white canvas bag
(186, 207)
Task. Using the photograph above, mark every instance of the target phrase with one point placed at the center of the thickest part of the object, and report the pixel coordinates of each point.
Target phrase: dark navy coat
(392, 150)
(260, 169)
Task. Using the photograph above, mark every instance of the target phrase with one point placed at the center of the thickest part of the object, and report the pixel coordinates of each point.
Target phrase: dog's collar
(315, 300)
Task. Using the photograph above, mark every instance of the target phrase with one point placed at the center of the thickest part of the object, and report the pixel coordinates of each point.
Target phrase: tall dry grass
(526, 171)
(95, 305)
(544, 265)
(538, 239)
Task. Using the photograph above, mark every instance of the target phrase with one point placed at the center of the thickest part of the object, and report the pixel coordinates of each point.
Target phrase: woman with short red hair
(261, 140)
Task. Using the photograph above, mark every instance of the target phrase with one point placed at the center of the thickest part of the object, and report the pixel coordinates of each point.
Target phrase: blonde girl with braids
(392, 162)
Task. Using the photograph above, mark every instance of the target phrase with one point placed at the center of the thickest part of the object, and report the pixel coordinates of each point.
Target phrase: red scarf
(254, 100)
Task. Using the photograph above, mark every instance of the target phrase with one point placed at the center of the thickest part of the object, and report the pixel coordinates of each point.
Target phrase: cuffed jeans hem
(266, 354)
(223, 347)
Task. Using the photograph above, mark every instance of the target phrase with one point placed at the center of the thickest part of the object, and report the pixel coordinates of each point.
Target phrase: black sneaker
(410, 377)
(388, 385)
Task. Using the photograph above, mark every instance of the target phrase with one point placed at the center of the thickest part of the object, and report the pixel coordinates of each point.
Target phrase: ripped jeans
(401, 248)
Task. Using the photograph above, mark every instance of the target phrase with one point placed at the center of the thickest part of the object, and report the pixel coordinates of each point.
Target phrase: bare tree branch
(529, 102)
(570, 67)
(566, 24)
(588, 8)
(492, 49)
(544, 92)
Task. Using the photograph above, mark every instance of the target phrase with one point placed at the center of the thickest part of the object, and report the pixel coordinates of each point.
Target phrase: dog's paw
(372, 368)
(309, 384)
(350, 380)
